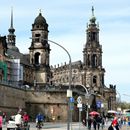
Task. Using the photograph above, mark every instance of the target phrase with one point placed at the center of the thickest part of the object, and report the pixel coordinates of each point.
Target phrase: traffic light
(84, 107)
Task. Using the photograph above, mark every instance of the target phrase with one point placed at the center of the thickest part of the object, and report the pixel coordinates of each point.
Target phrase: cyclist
(39, 120)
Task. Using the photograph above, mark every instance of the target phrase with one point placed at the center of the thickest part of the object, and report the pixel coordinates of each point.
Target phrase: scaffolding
(15, 71)
(3, 66)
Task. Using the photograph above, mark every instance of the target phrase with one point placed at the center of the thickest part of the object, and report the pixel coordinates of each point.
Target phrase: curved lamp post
(119, 96)
(69, 94)
(69, 91)
(119, 103)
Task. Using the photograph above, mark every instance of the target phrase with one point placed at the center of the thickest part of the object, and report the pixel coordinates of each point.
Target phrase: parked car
(11, 123)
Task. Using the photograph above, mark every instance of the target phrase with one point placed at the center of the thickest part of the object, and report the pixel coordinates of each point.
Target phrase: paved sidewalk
(63, 126)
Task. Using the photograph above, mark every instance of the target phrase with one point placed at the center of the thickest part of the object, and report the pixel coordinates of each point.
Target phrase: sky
(67, 20)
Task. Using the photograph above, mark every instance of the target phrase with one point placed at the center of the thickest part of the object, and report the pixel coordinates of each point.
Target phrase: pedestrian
(25, 119)
(84, 121)
(4, 118)
(124, 120)
(115, 123)
(1, 120)
(18, 120)
(98, 120)
(94, 123)
(89, 123)
(102, 122)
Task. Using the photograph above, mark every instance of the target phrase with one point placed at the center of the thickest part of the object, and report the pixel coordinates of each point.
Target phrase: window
(95, 79)
(94, 60)
(37, 37)
(37, 55)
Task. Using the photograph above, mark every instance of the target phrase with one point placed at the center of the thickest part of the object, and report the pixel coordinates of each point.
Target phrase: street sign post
(79, 105)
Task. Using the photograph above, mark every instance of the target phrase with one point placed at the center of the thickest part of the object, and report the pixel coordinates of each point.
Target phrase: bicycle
(26, 126)
(39, 125)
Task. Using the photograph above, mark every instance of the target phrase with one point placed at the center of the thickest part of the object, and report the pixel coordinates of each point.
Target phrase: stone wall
(11, 99)
(52, 103)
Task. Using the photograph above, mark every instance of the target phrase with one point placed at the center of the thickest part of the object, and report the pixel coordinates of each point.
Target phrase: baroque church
(34, 72)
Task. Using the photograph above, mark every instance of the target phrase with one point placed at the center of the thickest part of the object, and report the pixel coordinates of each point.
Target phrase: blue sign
(71, 99)
(98, 104)
(72, 107)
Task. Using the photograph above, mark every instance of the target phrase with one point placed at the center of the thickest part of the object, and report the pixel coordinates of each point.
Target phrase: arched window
(95, 79)
(37, 55)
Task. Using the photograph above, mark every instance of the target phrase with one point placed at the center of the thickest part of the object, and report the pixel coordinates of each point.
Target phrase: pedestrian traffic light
(84, 107)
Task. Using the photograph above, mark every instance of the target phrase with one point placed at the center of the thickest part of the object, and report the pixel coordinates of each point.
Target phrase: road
(63, 126)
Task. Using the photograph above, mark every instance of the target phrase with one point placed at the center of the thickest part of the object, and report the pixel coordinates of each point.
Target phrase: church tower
(40, 50)
(92, 57)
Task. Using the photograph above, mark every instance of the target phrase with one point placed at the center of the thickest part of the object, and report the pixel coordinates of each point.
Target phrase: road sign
(79, 105)
(98, 104)
(71, 99)
(79, 100)
(71, 106)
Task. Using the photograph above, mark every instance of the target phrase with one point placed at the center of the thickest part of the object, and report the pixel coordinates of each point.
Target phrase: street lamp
(69, 91)
(119, 101)
(119, 96)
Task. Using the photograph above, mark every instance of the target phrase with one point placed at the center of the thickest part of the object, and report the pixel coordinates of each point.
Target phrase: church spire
(93, 18)
(11, 36)
(92, 11)
(11, 17)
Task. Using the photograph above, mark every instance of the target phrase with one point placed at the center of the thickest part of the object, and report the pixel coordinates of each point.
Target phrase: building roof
(24, 58)
(40, 20)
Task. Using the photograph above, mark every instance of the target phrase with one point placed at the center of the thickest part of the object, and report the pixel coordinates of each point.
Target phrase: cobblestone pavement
(63, 126)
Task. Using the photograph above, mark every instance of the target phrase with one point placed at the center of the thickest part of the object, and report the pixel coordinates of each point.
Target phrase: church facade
(33, 70)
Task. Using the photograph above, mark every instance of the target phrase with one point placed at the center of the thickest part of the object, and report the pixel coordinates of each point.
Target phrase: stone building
(33, 70)
(90, 72)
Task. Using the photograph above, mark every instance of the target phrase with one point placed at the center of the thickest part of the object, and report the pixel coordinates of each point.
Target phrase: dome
(93, 19)
(11, 30)
(40, 20)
